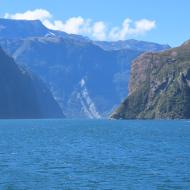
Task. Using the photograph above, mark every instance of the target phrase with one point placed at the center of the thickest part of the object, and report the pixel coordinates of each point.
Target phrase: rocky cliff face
(159, 86)
(22, 94)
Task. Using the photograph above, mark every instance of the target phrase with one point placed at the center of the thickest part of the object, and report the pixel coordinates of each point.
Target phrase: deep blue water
(84, 154)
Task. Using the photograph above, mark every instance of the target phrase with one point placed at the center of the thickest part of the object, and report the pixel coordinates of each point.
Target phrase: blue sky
(162, 21)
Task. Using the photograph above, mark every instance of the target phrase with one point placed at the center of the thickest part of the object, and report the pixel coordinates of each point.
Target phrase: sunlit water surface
(94, 154)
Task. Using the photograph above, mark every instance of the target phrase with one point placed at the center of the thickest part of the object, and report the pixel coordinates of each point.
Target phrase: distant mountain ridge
(159, 86)
(132, 44)
(63, 61)
(22, 94)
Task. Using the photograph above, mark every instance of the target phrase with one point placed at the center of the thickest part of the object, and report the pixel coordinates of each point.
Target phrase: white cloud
(72, 25)
(130, 28)
(99, 30)
(37, 14)
(96, 30)
(144, 25)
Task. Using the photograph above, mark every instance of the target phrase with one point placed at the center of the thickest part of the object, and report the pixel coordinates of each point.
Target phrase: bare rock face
(139, 70)
(159, 86)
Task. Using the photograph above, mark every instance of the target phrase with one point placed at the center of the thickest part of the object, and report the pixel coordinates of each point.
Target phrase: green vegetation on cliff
(159, 86)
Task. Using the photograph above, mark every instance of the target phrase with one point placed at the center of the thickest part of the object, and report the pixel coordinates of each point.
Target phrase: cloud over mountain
(98, 30)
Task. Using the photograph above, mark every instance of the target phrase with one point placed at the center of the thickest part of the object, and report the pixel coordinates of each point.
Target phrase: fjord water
(94, 154)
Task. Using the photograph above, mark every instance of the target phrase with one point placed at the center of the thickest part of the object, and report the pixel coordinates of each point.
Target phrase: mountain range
(87, 78)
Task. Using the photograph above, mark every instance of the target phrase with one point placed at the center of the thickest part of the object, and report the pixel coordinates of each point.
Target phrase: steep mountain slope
(22, 94)
(64, 60)
(159, 86)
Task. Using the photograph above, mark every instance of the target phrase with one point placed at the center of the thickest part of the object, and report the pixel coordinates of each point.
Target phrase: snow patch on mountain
(49, 34)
